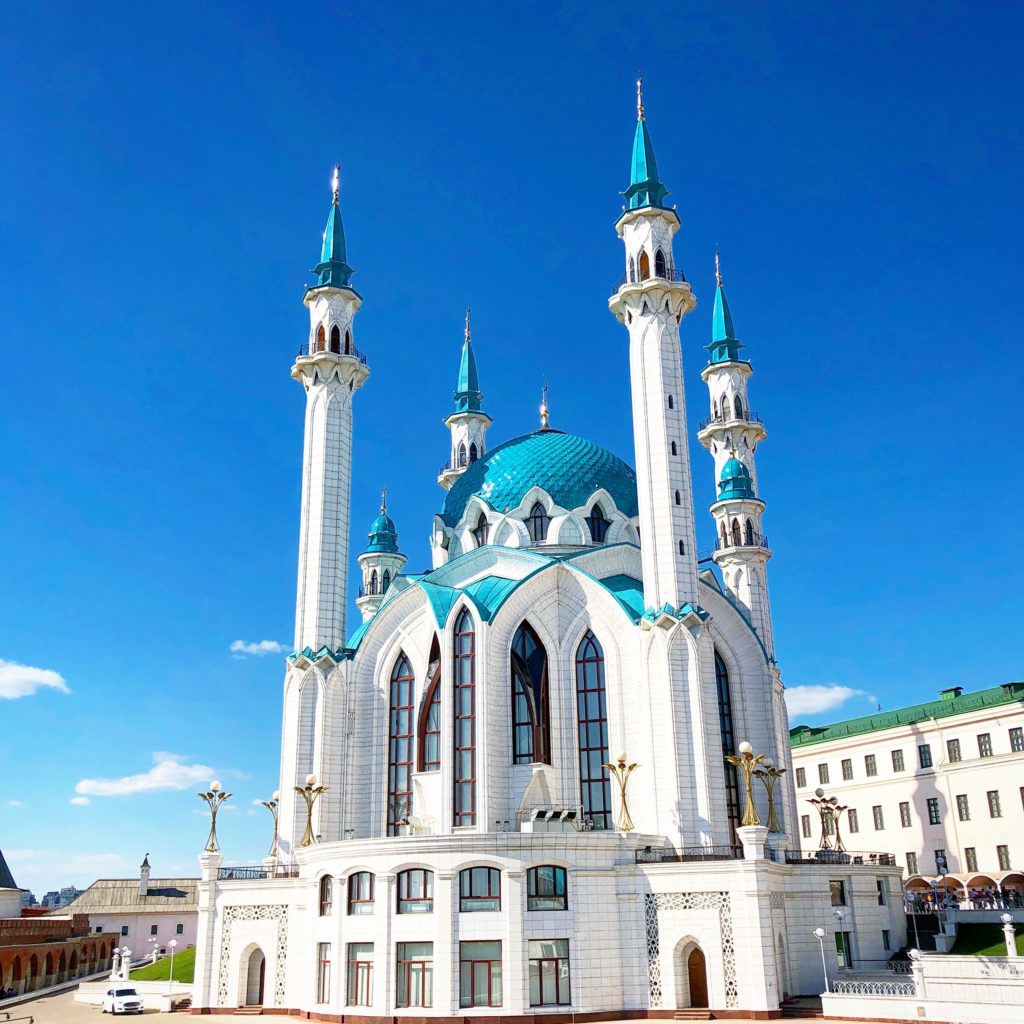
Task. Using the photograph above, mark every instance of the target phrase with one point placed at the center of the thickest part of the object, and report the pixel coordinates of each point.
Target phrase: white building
(143, 911)
(471, 855)
(941, 784)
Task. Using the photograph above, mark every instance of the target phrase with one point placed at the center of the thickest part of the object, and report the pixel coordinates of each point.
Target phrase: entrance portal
(697, 976)
(256, 971)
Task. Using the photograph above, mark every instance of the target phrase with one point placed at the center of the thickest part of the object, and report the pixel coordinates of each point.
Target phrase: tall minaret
(732, 434)
(652, 301)
(330, 369)
(469, 423)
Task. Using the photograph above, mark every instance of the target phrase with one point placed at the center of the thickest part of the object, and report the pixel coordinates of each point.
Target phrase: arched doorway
(256, 969)
(697, 977)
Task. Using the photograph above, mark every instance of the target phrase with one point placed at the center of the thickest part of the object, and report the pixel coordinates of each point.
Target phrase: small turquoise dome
(567, 467)
(383, 535)
(735, 481)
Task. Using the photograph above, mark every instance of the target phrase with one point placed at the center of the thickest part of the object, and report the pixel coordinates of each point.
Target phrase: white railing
(874, 988)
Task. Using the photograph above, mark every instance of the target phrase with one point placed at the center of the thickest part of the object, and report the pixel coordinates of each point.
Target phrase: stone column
(753, 838)
(203, 995)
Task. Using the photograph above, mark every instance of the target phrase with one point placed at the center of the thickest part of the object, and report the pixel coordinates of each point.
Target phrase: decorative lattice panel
(266, 912)
(667, 901)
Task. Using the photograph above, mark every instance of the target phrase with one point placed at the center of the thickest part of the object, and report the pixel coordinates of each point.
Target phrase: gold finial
(336, 182)
(639, 98)
(468, 308)
(544, 407)
(718, 270)
(384, 499)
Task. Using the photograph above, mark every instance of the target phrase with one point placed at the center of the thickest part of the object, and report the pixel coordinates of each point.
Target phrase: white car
(122, 1000)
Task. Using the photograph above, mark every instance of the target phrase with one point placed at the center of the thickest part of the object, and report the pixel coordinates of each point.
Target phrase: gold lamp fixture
(747, 761)
(620, 771)
(770, 776)
(273, 805)
(311, 792)
(214, 798)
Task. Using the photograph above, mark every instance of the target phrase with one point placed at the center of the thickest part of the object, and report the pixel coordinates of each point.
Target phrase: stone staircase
(802, 1008)
(182, 1005)
(249, 1011)
(696, 1013)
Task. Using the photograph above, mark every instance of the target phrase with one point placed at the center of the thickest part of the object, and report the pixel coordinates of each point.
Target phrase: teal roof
(1008, 693)
(383, 535)
(467, 393)
(725, 346)
(735, 481)
(645, 188)
(333, 271)
(569, 468)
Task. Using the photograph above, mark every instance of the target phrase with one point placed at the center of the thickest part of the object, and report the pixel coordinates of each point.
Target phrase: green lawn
(184, 968)
(983, 940)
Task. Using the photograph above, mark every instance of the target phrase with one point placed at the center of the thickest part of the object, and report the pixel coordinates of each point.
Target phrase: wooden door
(696, 972)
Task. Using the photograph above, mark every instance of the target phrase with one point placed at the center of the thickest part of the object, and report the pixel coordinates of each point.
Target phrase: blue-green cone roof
(332, 271)
(735, 481)
(383, 535)
(645, 187)
(567, 467)
(467, 394)
(725, 346)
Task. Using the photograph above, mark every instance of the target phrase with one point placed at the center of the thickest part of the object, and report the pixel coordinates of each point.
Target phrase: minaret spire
(640, 98)
(544, 407)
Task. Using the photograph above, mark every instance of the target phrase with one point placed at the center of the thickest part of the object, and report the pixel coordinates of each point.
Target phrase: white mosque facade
(468, 852)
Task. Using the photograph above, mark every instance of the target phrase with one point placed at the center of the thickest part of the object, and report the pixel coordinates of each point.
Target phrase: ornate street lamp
(747, 761)
(819, 934)
(311, 792)
(272, 806)
(770, 775)
(830, 809)
(621, 773)
(214, 798)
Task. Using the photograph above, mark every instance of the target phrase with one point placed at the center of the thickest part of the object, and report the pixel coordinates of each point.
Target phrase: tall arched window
(597, 524)
(336, 339)
(675, 451)
(682, 548)
(592, 721)
(632, 270)
(732, 789)
(374, 582)
(738, 404)
(480, 531)
(321, 339)
(659, 264)
(537, 523)
(464, 809)
(737, 537)
(725, 537)
(348, 342)
(531, 740)
(679, 498)
(726, 411)
(385, 581)
(430, 714)
(462, 455)
(645, 266)
(400, 740)
(671, 402)
(748, 533)
(472, 453)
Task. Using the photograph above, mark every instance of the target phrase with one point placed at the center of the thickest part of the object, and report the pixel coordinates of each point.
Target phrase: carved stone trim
(266, 912)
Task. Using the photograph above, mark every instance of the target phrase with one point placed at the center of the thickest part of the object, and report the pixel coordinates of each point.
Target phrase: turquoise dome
(735, 481)
(383, 535)
(568, 467)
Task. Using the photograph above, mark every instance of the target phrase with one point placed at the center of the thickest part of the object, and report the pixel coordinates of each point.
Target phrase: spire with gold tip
(725, 346)
(333, 271)
(467, 394)
(645, 187)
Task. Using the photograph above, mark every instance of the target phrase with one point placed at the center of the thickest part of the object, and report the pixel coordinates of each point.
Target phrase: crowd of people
(988, 898)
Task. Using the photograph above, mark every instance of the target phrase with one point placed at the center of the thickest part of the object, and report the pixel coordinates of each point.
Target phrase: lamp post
(1008, 934)
(840, 915)
(311, 792)
(272, 806)
(621, 772)
(770, 775)
(170, 981)
(819, 934)
(214, 798)
(829, 808)
(747, 761)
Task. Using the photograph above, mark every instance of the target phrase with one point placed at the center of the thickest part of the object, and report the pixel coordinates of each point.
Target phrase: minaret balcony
(671, 276)
(721, 421)
(352, 353)
(757, 540)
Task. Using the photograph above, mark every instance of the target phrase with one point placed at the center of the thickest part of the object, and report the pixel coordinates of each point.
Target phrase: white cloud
(169, 771)
(817, 700)
(79, 801)
(13, 803)
(23, 680)
(241, 648)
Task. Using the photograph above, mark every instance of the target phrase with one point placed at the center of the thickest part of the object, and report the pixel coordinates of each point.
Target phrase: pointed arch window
(645, 266)
(537, 523)
(671, 402)
(472, 453)
(336, 339)
(348, 342)
(597, 524)
(531, 731)
(725, 537)
(659, 264)
(679, 498)
(462, 456)
(738, 403)
(748, 533)
(726, 412)
(732, 789)
(682, 548)
(632, 270)
(385, 581)
(321, 339)
(374, 582)
(592, 722)
(464, 805)
(737, 537)
(400, 741)
(430, 715)
(480, 531)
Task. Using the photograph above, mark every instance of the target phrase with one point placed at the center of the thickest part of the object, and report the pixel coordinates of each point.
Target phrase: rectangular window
(853, 824)
(953, 750)
(847, 766)
(911, 863)
(549, 972)
(99, 928)
(360, 974)
(940, 862)
(876, 814)
(124, 929)
(897, 760)
(924, 755)
(1003, 853)
(415, 891)
(971, 858)
(801, 778)
(886, 940)
(984, 744)
(326, 895)
(933, 811)
(880, 885)
(152, 929)
(844, 949)
(838, 889)
(963, 809)
(1017, 739)
(995, 810)
(360, 893)
(323, 972)
(905, 814)
(546, 888)
(414, 982)
(870, 765)
(479, 889)
(179, 929)
(805, 823)
(479, 974)
(823, 773)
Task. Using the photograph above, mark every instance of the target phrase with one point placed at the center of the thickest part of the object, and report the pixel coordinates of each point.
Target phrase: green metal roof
(332, 271)
(383, 535)
(467, 393)
(735, 481)
(1008, 693)
(567, 467)
(645, 188)
(725, 346)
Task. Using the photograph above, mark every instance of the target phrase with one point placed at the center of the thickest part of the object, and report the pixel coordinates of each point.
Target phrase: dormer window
(537, 523)
(597, 524)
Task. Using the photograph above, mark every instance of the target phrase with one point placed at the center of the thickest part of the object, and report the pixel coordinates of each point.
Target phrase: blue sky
(164, 186)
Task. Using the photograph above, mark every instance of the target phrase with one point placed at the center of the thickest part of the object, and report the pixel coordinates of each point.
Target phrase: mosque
(506, 793)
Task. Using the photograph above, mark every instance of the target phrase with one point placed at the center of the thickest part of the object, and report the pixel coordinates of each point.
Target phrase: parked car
(122, 1000)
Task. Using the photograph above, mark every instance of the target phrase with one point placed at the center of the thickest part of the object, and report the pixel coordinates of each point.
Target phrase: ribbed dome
(383, 534)
(568, 467)
(735, 481)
